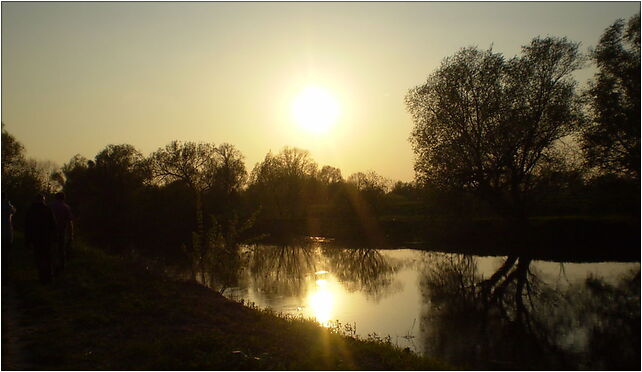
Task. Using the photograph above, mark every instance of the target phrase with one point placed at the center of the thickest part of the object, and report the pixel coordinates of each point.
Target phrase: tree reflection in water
(362, 269)
(282, 269)
(514, 320)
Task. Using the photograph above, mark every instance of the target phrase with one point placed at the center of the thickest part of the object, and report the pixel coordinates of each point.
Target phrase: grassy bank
(107, 313)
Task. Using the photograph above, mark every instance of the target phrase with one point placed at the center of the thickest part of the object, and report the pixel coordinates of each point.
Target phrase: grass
(105, 313)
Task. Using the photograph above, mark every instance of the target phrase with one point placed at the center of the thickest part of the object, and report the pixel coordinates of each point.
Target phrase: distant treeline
(125, 201)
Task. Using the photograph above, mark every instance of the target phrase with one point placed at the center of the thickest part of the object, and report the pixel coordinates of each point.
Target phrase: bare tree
(194, 164)
(190, 162)
(370, 181)
(330, 175)
(229, 173)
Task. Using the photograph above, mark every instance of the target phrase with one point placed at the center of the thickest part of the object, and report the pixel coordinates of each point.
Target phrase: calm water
(536, 314)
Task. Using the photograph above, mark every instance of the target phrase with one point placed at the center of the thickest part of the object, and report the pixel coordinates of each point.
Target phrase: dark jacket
(40, 226)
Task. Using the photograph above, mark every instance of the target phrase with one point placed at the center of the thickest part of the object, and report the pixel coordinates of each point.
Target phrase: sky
(79, 76)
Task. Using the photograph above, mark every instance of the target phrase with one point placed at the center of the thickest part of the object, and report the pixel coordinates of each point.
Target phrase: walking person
(8, 210)
(64, 230)
(40, 232)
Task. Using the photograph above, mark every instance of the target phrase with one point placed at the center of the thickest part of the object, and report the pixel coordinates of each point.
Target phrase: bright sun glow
(315, 109)
(321, 299)
(321, 302)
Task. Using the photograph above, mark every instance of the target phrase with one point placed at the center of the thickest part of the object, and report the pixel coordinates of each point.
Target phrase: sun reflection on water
(321, 301)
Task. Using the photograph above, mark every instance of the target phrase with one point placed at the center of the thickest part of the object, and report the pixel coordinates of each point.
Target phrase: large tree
(105, 194)
(485, 124)
(330, 175)
(369, 181)
(204, 168)
(281, 183)
(189, 162)
(229, 174)
(193, 164)
(611, 141)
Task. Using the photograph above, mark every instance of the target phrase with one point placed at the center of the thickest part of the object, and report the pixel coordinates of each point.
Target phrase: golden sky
(79, 76)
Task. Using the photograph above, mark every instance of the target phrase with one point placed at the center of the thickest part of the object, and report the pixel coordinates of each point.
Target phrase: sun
(315, 109)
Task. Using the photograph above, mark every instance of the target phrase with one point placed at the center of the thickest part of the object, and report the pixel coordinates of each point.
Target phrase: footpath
(12, 358)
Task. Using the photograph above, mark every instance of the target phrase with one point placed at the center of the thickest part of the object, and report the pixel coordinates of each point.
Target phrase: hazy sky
(79, 76)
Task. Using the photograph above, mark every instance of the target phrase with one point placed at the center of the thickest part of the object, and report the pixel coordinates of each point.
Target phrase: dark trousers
(7, 253)
(61, 253)
(42, 251)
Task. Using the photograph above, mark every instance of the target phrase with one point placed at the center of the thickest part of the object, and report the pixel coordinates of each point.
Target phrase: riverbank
(562, 238)
(549, 238)
(106, 313)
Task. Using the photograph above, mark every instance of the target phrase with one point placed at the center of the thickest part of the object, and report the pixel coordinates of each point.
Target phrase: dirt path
(12, 357)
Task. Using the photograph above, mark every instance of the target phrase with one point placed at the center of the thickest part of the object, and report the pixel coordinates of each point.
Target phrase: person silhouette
(8, 210)
(64, 230)
(40, 231)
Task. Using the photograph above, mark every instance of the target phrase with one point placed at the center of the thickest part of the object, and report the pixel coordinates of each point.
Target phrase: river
(473, 311)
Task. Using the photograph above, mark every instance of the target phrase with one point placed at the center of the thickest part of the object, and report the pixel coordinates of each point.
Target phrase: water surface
(457, 307)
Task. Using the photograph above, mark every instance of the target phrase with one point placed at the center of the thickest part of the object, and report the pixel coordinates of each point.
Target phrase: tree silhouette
(22, 178)
(369, 181)
(229, 174)
(485, 124)
(330, 175)
(204, 167)
(12, 155)
(189, 162)
(611, 141)
(281, 184)
(106, 193)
